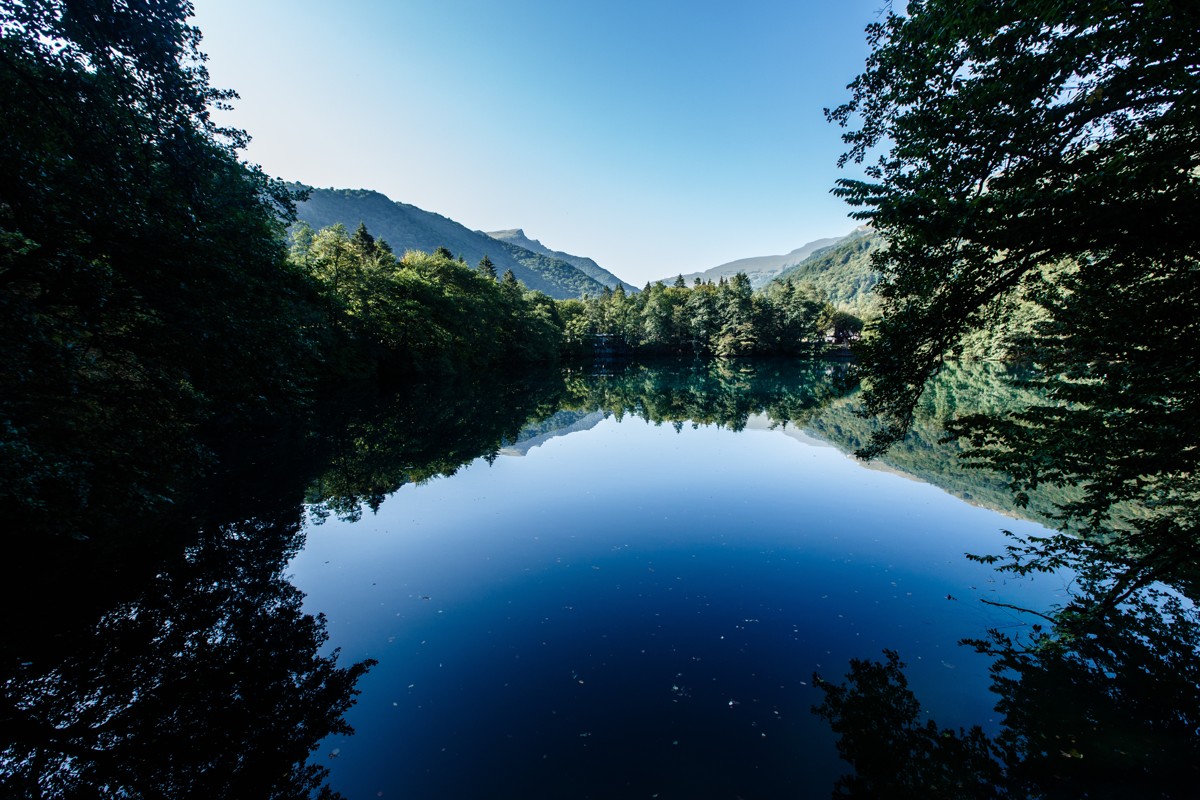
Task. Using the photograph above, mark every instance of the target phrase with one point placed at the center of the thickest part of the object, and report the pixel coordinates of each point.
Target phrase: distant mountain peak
(406, 227)
(761, 270)
(510, 234)
(587, 266)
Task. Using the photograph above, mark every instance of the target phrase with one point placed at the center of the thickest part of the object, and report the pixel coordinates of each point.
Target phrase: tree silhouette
(210, 684)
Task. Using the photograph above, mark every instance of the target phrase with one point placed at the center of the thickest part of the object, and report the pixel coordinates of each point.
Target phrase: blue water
(634, 611)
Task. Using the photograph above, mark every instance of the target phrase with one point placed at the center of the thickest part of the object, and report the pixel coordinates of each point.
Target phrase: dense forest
(1034, 169)
(725, 319)
(153, 306)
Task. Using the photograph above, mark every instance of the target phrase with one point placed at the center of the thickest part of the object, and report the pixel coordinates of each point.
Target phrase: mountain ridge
(407, 227)
(842, 273)
(584, 264)
(761, 270)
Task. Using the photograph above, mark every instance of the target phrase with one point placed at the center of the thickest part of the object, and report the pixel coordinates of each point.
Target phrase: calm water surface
(636, 610)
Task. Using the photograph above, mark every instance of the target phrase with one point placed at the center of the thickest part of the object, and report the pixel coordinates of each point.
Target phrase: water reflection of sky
(629, 611)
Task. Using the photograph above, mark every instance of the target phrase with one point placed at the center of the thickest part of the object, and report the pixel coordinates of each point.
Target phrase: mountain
(562, 423)
(759, 269)
(842, 273)
(585, 265)
(407, 227)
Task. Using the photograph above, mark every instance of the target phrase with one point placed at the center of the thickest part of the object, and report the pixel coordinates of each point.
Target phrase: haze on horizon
(656, 138)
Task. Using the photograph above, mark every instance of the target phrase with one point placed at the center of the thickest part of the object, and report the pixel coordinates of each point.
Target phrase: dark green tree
(146, 306)
(845, 326)
(894, 751)
(363, 242)
(1017, 136)
(487, 267)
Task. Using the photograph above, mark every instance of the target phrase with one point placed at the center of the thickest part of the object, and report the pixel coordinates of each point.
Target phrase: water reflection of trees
(205, 677)
(725, 393)
(434, 430)
(1100, 697)
(425, 431)
(928, 453)
(209, 682)
(180, 663)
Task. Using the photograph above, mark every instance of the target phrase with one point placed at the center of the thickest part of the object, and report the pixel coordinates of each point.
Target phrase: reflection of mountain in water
(762, 422)
(438, 429)
(933, 462)
(561, 423)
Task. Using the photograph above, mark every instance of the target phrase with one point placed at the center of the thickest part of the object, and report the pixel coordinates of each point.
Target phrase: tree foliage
(1044, 158)
(842, 273)
(144, 294)
(725, 319)
(421, 312)
(1019, 135)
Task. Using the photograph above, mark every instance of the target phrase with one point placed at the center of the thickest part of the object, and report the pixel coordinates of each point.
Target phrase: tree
(1049, 154)
(487, 267)
(738, 334)
(146, 305)
(364, 242)
(1017, 136)
(846, 326)
(896, 753)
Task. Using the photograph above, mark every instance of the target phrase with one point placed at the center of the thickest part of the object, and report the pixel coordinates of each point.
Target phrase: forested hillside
(406, 227)
(842, 273)
(761, 270)
(585, 265)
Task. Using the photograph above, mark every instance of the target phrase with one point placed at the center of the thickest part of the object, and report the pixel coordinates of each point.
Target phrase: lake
(668, 580)
(629, 597)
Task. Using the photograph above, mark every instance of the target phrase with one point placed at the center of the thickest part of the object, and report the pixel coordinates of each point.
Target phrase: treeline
(725, 319)
(422, 312)
(434, 313)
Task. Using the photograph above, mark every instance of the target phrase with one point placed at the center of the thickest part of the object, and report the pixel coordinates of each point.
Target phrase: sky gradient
(654, 137)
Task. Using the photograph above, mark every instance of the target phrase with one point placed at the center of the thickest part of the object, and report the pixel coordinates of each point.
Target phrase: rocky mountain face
(406, 227)
(585, 265)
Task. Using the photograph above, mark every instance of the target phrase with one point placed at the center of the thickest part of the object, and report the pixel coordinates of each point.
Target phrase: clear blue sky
(655, 137)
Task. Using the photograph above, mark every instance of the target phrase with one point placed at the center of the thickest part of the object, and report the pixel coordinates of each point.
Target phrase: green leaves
(147, 306)
(1016, 136)
(1035, 169)
(727, 319)
(423, 312)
